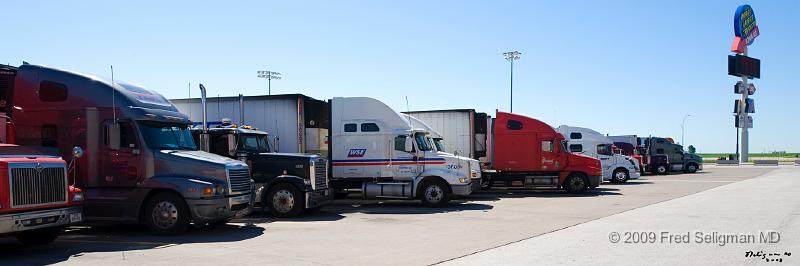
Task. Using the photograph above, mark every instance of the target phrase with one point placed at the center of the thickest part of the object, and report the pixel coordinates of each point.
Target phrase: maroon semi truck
(37, 197)
(141, 164)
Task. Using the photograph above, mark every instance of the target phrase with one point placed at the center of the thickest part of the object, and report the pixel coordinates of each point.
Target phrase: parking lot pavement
(353, 231)
(751, 207)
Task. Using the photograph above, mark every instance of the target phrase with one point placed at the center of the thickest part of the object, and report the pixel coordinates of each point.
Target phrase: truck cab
(531, 154)
(141, 164)
(679, 160)
(37, 196)
(378, 151)
(617, 167)
(286, 184)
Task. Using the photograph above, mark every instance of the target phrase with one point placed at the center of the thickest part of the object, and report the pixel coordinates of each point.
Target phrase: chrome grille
(239, 180)
(31, 186)
(321, 173)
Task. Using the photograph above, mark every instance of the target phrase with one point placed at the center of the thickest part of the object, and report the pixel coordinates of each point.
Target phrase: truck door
(121, 167)
(550, 159)
(606, 156)
(403, 160)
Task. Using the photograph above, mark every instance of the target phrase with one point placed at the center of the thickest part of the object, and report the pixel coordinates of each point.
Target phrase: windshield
(164, 136)
(564, 146)
(604, 149)
(422, 143)
(253, 143)
(439, 143)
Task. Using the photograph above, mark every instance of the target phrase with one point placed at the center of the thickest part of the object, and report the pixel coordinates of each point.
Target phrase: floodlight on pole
(269, 75)
(511, 57)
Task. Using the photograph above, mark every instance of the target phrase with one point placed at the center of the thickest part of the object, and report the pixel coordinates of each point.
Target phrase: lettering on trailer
(356, 153)
(401, 161)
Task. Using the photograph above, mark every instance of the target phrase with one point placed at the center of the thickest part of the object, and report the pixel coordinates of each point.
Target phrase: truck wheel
(39, 236)
(167, 214)
(620, 176)
(434, 193)
(661, 170)
(691, 168)
(284, 200)
(486, 183)
(576, 183)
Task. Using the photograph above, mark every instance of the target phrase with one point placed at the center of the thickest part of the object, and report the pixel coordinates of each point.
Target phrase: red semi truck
(37, 197)
(530, 153)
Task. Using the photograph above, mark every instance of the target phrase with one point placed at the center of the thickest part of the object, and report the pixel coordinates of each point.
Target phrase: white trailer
(294, 121)
(465, 132)
(617, 168)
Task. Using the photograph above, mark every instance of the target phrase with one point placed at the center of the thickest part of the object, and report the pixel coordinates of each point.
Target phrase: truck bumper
(635, 175)
(211, 210)
(463, 190)
(700, 166)
(594, 181)
(12, 223)
(318, 197)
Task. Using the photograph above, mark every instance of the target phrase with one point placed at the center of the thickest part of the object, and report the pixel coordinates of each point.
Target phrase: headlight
(208, 191)
(463, 180)
(78, 196)
(220, 190)
(473, 173)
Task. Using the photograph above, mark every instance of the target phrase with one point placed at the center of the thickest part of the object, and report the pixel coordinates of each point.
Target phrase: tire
(620, 175)
(576, 183)
(486, 183)
(434, 193)
(691, 168)
(167, 214)
(39, 236)
(661, 170)
(285, 200)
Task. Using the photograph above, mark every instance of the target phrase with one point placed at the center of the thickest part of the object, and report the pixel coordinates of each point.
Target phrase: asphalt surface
(495, 227)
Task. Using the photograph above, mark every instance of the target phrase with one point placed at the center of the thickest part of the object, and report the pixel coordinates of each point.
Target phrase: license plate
(75, 217)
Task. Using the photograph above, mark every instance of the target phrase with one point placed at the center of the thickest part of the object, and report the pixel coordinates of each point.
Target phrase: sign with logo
(356, 153)
(744, 24)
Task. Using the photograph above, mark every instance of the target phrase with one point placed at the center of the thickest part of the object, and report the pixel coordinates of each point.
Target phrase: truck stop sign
(744, 24)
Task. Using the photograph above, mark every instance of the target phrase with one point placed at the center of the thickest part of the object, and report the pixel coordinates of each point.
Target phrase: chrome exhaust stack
(204, 133)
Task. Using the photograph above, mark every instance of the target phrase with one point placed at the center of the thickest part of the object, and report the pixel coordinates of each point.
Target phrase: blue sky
(619, 67)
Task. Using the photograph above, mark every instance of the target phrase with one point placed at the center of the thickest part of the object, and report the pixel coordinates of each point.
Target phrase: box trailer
(464, 131)
(296, 123)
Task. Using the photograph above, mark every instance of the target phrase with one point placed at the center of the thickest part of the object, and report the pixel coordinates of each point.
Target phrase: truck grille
(31, 186)
(321, 173)
(240, 180)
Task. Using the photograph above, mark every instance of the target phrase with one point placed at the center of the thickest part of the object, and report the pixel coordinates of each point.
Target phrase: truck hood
(194, 164)
(585, 163)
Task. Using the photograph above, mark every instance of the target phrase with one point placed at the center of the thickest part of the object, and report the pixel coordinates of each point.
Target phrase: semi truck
(372, 149)
(530, 153)
(617, 168)
(286, 184)
(141, 164)
(661, 155)
(37, 196)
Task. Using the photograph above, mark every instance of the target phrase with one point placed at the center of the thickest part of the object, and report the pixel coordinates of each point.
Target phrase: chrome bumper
(317, 198)
(10, 223)
(217, 209)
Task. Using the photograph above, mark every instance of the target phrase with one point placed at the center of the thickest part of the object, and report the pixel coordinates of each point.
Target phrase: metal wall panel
(278, 117)
(455, 128)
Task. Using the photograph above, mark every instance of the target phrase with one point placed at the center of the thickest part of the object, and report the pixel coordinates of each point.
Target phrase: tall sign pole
(741, 65)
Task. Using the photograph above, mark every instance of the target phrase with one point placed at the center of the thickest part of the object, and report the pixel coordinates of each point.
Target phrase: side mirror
(114, 136)
(77, 152)
(409, 145)
(231, 144)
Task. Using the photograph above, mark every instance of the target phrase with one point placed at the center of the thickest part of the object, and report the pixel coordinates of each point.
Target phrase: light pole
(269, 75)
(511, 56)
(683, 123)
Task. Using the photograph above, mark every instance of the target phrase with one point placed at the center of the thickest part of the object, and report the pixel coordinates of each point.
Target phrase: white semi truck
(617, 168)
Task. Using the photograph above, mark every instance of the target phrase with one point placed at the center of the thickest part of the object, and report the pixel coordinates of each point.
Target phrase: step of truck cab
(527, 182)
(393, 190)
